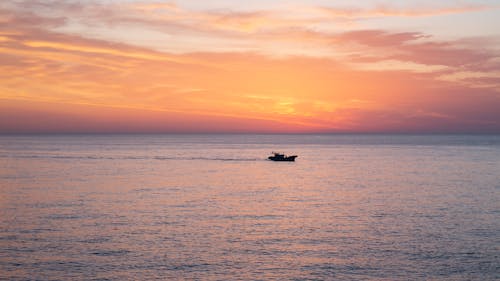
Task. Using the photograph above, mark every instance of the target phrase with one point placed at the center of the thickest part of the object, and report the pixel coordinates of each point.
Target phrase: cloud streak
(391, 11)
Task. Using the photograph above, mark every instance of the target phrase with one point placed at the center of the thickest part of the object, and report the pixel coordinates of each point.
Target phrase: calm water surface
(210, 207)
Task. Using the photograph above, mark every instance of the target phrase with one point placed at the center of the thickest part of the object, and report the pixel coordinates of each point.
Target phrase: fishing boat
(281, 157)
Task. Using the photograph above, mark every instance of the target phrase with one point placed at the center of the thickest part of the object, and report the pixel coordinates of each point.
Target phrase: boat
(281, 157)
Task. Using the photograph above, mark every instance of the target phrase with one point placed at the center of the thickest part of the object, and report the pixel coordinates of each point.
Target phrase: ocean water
(211, 207)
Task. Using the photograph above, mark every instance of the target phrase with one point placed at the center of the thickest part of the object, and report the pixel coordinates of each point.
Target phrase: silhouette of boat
(281, 157)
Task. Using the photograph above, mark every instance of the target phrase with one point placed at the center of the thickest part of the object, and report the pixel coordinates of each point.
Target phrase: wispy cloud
(385, 10)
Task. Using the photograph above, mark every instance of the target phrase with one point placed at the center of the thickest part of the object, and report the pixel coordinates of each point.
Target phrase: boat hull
(287, 158)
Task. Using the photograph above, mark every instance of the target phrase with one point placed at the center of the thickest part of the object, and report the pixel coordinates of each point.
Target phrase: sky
(258, 67)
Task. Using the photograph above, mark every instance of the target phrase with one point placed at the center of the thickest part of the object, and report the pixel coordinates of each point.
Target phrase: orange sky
(303, 67)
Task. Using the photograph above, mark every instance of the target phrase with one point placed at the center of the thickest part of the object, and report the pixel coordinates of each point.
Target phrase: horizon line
(243, 133)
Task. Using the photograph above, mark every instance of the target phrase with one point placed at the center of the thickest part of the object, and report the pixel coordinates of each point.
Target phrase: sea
(212, 207)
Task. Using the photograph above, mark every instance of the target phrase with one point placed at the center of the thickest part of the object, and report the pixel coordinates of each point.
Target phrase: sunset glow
(294, 66)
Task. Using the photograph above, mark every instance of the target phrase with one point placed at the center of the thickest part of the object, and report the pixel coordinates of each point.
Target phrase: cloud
(382, 38)
(416, 47)
(296, 30)
(362, 80)
(393, 11)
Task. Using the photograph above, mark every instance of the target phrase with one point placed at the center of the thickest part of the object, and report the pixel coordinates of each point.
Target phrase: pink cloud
(393, 11)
